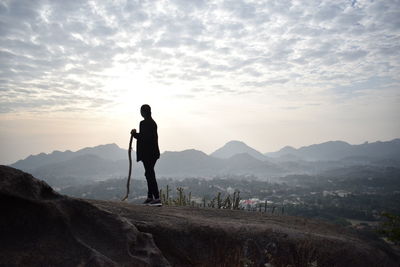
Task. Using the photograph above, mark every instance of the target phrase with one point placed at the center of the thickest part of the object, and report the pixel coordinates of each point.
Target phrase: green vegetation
(227, 201)
(390, 227)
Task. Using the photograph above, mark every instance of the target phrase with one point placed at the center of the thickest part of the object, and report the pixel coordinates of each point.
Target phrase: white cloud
(51, 40)
(93, 56)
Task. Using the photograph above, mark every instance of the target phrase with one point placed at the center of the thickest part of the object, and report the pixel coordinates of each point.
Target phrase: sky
(74, 73)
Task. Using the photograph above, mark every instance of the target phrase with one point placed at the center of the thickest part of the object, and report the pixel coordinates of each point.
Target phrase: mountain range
(235, 157)
(339, 150)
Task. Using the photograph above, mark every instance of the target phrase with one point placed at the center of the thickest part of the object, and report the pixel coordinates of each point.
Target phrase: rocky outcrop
(190, 236)
(39, 227)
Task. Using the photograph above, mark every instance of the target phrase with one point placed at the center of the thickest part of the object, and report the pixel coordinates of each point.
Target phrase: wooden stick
(130, 168)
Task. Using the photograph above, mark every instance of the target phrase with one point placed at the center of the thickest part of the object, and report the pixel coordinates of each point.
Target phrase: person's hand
(133, 131)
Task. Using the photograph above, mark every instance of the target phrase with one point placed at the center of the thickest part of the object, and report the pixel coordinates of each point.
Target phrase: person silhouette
(148, 152)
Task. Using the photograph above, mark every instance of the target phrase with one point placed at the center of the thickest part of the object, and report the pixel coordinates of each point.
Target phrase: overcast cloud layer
(93, 56)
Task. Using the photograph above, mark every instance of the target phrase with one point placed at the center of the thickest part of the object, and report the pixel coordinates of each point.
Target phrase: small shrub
(390, 227)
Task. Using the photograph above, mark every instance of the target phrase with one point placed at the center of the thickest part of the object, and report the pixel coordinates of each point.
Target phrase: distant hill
(194, 163)
(88, 165)
(189, 162)
(107, 152)
(62, 169)
(236, 147)
(339, 150)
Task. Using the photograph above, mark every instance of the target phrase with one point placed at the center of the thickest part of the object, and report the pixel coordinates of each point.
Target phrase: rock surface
(39, 227)
(190, 236)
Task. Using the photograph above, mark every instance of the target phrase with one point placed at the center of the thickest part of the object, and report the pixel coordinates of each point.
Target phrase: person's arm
(135, 134)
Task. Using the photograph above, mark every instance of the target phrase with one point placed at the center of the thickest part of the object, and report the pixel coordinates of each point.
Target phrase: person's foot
(147, 201)
(155, 202)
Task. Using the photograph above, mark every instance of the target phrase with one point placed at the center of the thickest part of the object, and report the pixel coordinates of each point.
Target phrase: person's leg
(147, 171)
(151, 179)
(154, 186)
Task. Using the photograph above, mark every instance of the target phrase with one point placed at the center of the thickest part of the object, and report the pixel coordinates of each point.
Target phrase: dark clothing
(148, 152)
(151, 179)
(147, 141)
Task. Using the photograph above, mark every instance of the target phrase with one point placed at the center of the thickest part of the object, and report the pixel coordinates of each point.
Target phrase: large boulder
(39, 227)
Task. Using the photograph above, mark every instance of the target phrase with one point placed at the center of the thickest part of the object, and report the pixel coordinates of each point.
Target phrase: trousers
(149, 173)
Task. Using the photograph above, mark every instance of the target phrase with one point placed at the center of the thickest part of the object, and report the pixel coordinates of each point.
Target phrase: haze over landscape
(92, 164)
(73, 74)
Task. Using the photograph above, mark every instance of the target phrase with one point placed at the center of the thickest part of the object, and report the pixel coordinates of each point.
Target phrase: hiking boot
(155, 202)
(147, 201)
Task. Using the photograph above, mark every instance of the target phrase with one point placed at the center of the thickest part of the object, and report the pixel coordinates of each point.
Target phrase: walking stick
(130, 168)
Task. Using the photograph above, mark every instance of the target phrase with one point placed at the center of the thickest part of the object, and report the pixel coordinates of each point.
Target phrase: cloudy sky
(270, 73)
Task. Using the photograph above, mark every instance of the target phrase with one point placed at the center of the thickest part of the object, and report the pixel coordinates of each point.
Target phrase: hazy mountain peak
(236, 142)
(101, 147)
(287, 149)
(236, 147)
(187, 152)
(396, 141)
(108, 151)
(333, 143)
(337, 150)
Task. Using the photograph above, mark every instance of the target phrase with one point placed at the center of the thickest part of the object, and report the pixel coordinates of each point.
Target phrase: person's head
(145, 111)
